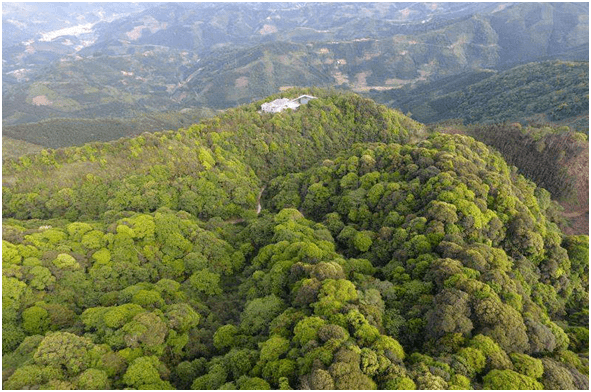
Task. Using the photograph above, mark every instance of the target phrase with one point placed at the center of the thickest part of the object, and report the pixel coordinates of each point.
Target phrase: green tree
(146, 372)
(273, 348)
(307, 329)
(206, 282)
(36, 320)
(526, 365)
(225, 337)
(93, 379)
(508, 379)
(259, 312)
(65, 350)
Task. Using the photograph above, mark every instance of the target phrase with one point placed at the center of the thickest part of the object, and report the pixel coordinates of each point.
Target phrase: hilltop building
(281, 104)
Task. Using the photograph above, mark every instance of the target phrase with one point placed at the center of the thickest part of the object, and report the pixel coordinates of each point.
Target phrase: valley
(170, 57)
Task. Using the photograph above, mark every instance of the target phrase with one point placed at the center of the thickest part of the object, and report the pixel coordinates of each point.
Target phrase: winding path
(259, 209)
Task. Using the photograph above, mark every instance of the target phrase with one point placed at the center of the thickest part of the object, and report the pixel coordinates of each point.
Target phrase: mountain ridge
(367, 51)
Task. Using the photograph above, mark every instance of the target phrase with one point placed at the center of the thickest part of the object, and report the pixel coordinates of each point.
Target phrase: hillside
(64, 132)
(14, 148)
(381, 257)
(269, 145)
(185, 55)
(555, 158)
(553, 91)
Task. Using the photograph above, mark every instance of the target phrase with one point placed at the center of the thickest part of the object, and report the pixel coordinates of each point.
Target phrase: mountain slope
(554, 91)
(381, 258)
(63, 132)
(268, 144)
(555, 158)
(174, 56)
(14, 148)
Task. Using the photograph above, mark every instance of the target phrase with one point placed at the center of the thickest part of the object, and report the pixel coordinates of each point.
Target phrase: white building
(278, 105)
(281, 104)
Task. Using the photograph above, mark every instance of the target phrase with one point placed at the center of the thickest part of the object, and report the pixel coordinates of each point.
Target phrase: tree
(26, 376)
(333, 295)
(362, 241)
(41, 278)
(474, 359)
(459, 382)
(307, 330)
(282, 368)
(93, 379)
(259, 312)
(252, 383)
(206, 282)
(389, 347)
(496, 358)
(145, 372)
(503, 323)
(450, 314)
(239, 362)
(65, 261)
(146, 330)
(35, 320)
(400, 383)
(224, 337)
(273, 348)
(316, 203)
(333, 332)
(148, 299)
(65, 350)
(181, 317)
(442, 211)
(319, 379)
(428, 380)
(557, 376)
(215, 377)
(508, 379)
(526, 365)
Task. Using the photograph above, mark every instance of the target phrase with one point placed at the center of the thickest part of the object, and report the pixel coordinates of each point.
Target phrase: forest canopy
(382, 257)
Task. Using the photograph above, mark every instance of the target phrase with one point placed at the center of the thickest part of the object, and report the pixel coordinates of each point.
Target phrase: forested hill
(159, 169)
(382, 258)
(555, 158)
(167, 57)
(552, 91)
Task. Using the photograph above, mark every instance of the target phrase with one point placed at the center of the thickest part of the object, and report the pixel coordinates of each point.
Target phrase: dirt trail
(259, 208)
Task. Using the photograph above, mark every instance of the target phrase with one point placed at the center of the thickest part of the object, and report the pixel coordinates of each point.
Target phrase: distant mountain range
(123, 59)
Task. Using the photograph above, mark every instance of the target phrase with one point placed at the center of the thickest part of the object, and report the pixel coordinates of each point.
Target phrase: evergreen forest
(342, 245)
(555, 92)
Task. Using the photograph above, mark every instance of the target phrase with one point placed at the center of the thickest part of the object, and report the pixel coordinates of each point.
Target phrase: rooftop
(281, 104)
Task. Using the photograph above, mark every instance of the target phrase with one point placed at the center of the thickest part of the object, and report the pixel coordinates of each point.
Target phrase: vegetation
(15, 148)
(555, 158)
(552, 91)
(193, 56)
(207, 169)
(65, 132)
(382, 258)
